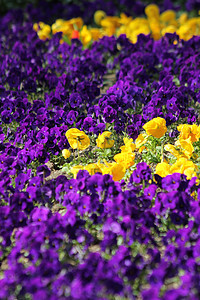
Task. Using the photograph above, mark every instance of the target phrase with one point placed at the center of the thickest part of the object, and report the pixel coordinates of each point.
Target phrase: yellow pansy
(137, 23)
(163, 169)
(109, 31)
(155, 24)
(77, 139)
(141, 139)
(184, 166)
(187, 131)
(186, 145)
(92, 168)
(66, 29)
(75, 169)
(85, 35)
(103, 141)
(190, 172)
(156, 127)
(66, 153)
(155, 27)
(168, 29)
(172, 149)
(125, 158)
(77, 23)
(115, 169)
(168, 19)
(129, 145)
(96, 34)
(167, 16)
(98, 16)
(124, 19)
(36, 27)
(152, 11)
(44, 32)
(183, 18)
(110, 21)
(55, 27)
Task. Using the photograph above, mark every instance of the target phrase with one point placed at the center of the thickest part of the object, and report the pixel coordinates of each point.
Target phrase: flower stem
(162, 152)
(74, 153)
(78, 152)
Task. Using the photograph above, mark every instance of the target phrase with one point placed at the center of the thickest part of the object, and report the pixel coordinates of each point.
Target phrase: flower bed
(99, 161)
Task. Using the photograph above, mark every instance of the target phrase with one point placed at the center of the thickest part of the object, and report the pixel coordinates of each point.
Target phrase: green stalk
(78, 151)
(74, 154)
(162, 152)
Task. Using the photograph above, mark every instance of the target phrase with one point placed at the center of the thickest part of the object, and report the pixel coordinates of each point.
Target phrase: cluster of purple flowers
(91, 237)
(108, 238)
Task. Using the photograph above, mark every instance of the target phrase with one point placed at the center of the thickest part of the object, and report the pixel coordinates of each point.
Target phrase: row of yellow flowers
(155, 23)
(182, 150)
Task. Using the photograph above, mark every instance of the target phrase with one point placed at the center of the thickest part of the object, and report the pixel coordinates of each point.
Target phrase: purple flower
(109, 114)
(71, 116)
(169, 200)
(6, 117)
(151, 293)
(178, 218)
(171, 182)
(75, 100)
(40, 214)
(150, 191)
(42, 135)
(21, 179)
(43, 171)
(88, 124)
(142, 172)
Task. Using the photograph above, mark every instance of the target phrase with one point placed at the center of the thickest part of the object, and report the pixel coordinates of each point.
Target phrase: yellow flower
(66, 29)
(92, 168)
(45, 31)
(104, 141)
(110, 24)
(187, 131)
(183, 18)
(135, 27)
(190, 172)
(36, 27)
(172, 150)
(98, 16)
(125, 158)
(163, 169)
(115, 169)
(110, 21)
(168, 29)
(77, 139)
(74, 170)
(186, 145)
(152, 11)
(96, 34)
(167, 16)
(124, 19)
(85, 35)
(55, 27)
(141, 139)
(155, 28)
(77, 23)
(66, 153)
(129, 145)
(184, 166)
(156, 127)
(109, 31)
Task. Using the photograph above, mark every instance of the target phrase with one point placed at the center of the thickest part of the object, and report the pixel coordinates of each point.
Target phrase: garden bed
(99, 155)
